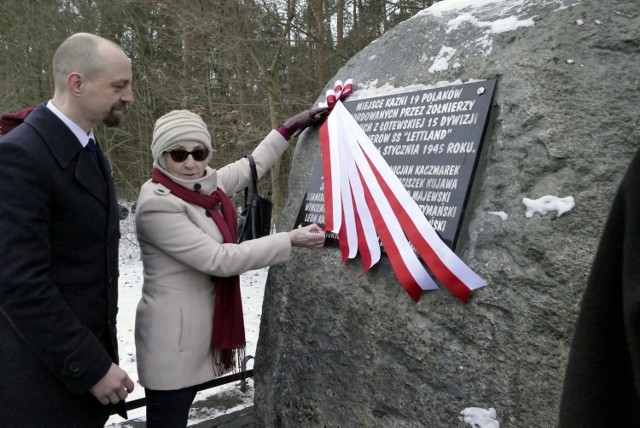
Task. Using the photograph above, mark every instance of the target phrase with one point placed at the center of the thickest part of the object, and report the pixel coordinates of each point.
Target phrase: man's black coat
(602, 383)
(59, 234)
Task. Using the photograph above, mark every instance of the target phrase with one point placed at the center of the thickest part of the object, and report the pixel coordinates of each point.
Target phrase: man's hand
(311, 236)
(113, 387)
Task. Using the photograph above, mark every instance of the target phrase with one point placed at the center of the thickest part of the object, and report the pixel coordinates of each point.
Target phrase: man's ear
(75, 82)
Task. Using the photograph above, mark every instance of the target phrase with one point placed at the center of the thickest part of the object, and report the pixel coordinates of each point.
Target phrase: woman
(189, 326)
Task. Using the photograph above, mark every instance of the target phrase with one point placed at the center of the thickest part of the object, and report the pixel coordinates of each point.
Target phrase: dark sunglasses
(181, 155)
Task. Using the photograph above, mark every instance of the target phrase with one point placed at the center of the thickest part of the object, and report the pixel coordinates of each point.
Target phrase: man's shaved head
(83, 53)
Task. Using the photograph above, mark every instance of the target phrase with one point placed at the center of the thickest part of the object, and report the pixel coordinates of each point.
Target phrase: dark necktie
(92, 149)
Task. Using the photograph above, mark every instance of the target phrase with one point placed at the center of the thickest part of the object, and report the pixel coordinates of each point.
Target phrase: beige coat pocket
(185, 330)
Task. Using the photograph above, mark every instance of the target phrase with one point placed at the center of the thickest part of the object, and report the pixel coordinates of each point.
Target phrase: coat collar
(62, 143)
(65, 147)
(207, 184)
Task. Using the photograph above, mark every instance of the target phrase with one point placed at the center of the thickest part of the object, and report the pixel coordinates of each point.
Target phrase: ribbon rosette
(366, 204)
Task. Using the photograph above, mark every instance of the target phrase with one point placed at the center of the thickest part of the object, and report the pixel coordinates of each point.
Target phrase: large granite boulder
(341, 348)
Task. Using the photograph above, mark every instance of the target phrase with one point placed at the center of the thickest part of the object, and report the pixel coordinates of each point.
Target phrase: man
(59, 234)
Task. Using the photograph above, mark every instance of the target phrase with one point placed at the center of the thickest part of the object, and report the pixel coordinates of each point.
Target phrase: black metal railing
(219, 381)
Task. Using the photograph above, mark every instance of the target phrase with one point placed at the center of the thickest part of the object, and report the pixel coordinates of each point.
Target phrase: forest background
(245, 66)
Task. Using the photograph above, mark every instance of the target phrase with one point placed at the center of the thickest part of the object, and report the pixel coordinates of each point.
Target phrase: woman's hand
(305, 119)
(311, 236)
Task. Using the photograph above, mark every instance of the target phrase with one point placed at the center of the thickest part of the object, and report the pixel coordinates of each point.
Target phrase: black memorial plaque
(431, 139)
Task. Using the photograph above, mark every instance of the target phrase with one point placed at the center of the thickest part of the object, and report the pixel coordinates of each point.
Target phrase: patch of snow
(503, 215)
(548, 203)
(479, 418)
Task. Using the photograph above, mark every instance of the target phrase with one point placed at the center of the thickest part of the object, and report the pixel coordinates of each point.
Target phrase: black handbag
(255, 220)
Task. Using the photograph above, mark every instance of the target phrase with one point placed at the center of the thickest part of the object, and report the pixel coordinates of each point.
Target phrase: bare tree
(243, 65)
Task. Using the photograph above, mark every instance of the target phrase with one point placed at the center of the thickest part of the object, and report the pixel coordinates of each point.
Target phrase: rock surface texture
(341, 348)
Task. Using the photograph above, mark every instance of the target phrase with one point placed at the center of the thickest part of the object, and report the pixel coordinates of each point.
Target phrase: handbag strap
(254, 173)
(254, 179)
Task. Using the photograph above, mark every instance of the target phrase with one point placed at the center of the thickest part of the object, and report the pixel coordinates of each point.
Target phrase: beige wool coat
(181, 249)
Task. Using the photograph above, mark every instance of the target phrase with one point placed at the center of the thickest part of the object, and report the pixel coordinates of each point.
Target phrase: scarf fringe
(226, 360)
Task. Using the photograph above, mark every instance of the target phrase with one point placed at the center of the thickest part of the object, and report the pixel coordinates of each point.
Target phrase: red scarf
(228, 340)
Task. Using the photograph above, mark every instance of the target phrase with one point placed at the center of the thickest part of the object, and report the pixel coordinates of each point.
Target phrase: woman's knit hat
(175, 127)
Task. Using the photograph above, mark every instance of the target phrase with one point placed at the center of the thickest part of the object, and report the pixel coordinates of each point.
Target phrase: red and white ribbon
(365, 200)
